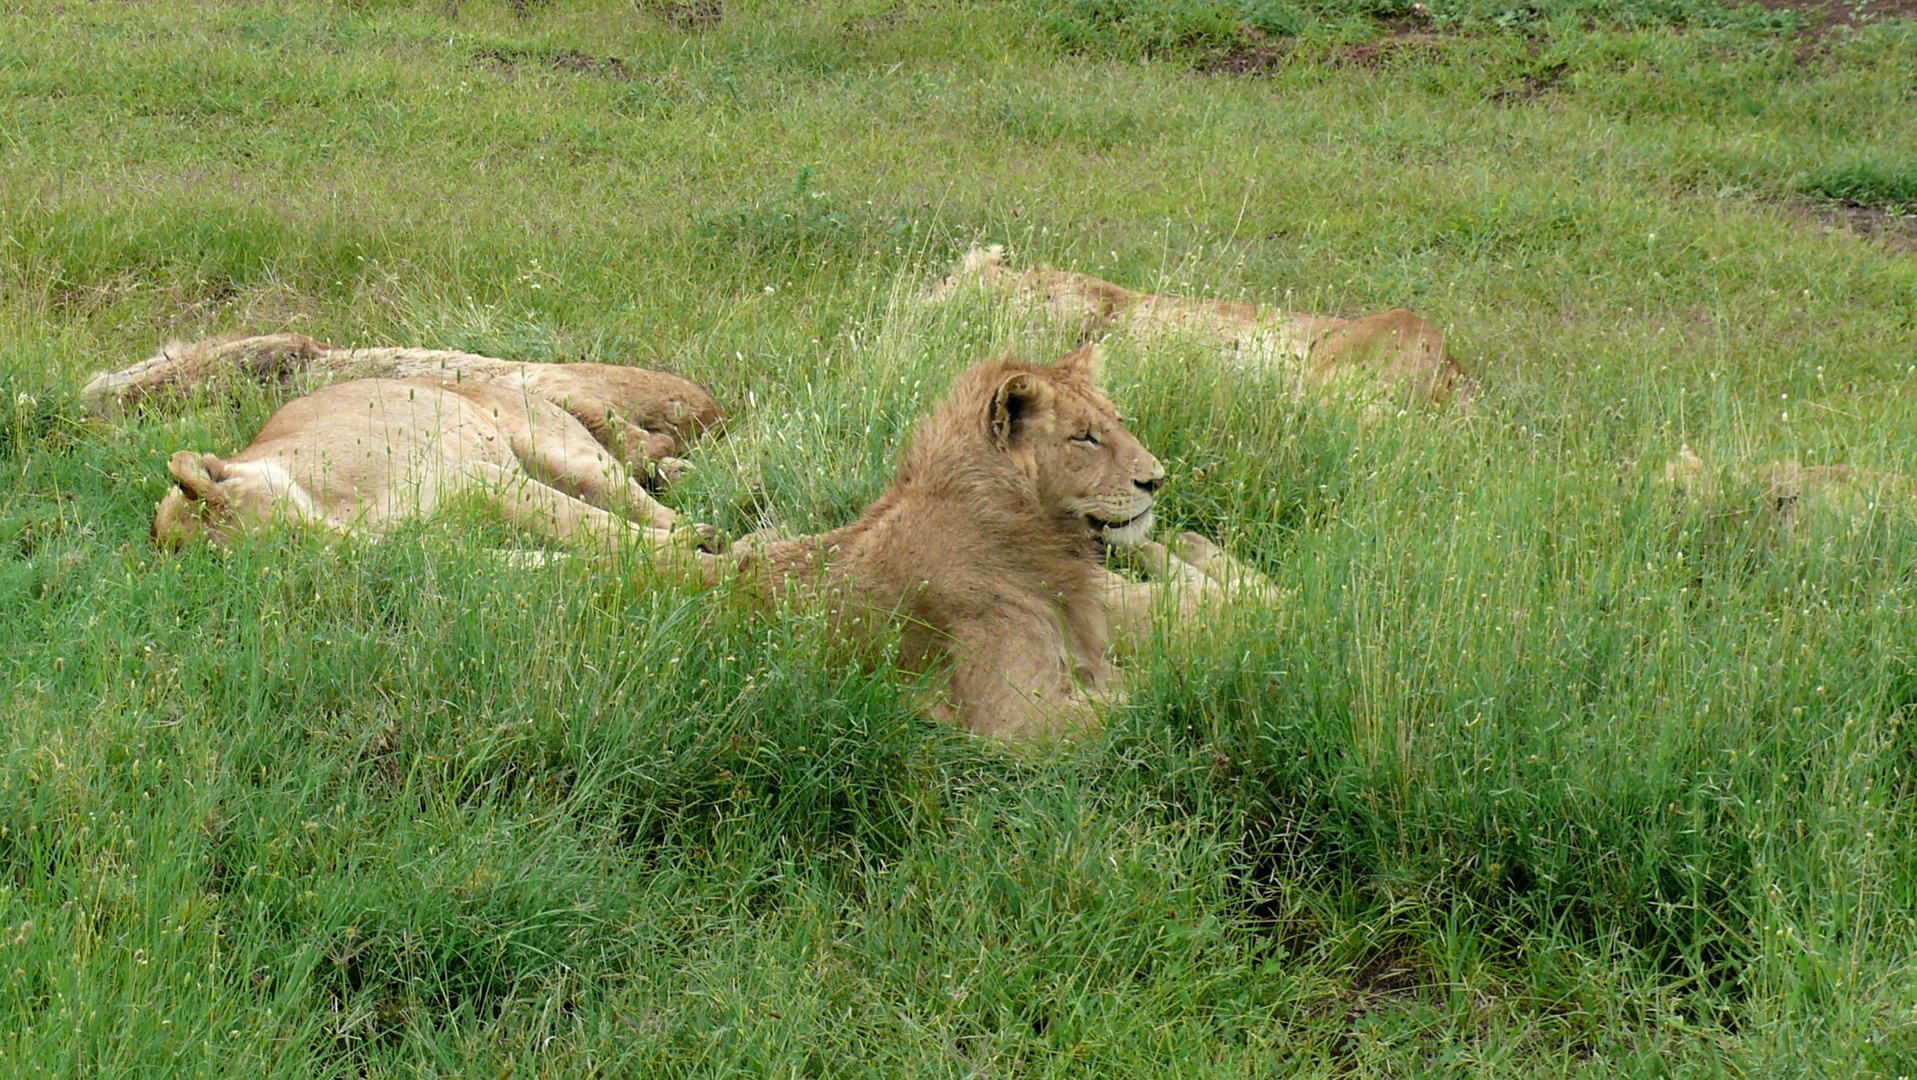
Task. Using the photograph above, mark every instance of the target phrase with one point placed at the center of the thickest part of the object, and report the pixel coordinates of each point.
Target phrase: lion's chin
(1124, 534)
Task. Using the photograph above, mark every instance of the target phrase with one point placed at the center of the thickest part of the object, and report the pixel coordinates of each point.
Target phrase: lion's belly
(377, 450)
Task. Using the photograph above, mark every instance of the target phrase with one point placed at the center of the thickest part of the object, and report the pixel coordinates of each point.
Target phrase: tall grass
(1535, 769)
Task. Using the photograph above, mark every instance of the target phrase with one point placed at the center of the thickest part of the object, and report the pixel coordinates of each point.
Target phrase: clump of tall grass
(1872, 182)
(1184, 28)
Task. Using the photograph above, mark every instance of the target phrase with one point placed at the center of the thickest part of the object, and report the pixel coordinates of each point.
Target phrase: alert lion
(360, 455)
(645, 417)
(1394, 349)
(986, 556)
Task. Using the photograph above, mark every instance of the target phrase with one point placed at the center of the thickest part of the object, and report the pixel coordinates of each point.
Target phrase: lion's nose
(1153, 482)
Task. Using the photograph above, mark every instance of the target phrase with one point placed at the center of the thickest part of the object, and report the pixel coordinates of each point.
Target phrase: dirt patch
(508, 62)
(1384, 52)
(1405, 40)
(874, 25)
(1268, 55)
(1411, 39)
(1531, 85)
(1260, 59)
(1388, 978)
(1897, 232)
(1820, 17)
(581, 64)
(693, 14)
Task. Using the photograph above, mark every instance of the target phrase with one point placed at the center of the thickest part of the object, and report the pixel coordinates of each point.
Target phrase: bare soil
(1897, 232)
(507, 61)
(693, 14)
(1821, 17)
(1411, 37)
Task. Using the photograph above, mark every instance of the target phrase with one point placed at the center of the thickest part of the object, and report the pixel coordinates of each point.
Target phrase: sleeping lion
(362, 455)
(647, 418)
(1395, 349)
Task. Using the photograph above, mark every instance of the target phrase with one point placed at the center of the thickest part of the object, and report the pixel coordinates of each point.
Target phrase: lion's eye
(1086, 437)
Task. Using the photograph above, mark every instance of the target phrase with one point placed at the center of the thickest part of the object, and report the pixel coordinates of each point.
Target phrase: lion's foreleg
(1238, 578)
(1018, 686)
(1136, 610)
(1193, 577)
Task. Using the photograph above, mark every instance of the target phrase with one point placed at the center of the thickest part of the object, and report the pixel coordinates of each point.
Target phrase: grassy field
(1534, 772)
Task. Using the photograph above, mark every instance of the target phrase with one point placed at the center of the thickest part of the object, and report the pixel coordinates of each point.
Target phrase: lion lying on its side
(1396, 348)
(987, 554)
(645, 417)
(363, 454)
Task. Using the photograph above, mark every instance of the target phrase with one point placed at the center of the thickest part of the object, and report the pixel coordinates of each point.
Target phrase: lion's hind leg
(586, 471)
(558, 516)
(647, 454)
(555, 447)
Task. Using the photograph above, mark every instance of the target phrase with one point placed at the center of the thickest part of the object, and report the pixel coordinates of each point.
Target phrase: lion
(986, 557)
(1788, 491)
(646, 417)
(1394, 349)
(356, 457)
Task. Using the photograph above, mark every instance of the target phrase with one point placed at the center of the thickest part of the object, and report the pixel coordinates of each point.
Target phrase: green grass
(1132, 28)
(1867, 183)
(1534, 772)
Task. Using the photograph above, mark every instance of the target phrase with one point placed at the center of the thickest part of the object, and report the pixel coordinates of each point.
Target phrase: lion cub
(986, 558)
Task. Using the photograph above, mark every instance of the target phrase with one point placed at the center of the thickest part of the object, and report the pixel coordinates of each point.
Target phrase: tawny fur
(361, 455)
(1395, 349)
(1790, 491)
(643, 416)
(986, 556)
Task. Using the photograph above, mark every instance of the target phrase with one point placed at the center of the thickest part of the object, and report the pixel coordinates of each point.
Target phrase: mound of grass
(1160, 27)
(1870, 182)
(1153, 28)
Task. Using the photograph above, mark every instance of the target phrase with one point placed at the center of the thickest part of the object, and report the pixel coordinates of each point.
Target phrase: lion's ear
(1020, 397)
(1086, 363)
(199, 475)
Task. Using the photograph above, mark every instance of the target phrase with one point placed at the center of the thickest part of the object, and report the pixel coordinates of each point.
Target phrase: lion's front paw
(1240, 578)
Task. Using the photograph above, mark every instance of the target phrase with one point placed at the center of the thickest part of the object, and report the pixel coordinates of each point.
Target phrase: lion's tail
(180, 368)
(272, 360)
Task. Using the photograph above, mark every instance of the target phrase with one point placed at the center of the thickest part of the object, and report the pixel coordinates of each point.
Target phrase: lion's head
(212, 499)
(1051, 432)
